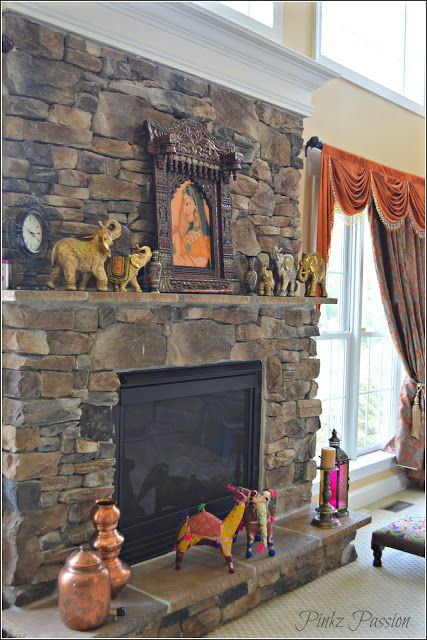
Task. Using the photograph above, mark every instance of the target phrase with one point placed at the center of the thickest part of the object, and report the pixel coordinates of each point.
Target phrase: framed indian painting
(192, 171)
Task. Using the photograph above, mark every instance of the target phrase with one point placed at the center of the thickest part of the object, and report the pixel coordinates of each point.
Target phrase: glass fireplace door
(183, 435)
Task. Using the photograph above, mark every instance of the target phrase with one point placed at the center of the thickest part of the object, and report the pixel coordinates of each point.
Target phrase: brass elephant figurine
(122, 271)
(266, 282)
(311, 272)
(85, 256)
(284, 263)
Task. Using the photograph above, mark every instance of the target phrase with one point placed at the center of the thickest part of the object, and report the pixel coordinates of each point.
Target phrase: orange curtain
(396, 204)
(351, 182)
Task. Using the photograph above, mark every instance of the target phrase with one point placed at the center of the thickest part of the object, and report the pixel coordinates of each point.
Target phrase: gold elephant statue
(266, 283)
(123, 270)
(311, 272)
(85, 256)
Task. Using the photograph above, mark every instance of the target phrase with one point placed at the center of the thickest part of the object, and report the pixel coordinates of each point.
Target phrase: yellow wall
(350, 117)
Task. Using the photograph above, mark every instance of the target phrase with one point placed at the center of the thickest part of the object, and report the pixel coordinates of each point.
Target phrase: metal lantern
(339, 478)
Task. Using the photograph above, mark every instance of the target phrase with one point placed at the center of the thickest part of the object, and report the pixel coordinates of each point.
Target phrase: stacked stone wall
(60, 383)
(73, 136)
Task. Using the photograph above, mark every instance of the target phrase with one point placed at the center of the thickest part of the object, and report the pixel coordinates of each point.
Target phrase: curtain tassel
(416, 414)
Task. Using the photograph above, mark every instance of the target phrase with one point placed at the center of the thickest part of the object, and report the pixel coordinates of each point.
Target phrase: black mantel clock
(27, 240)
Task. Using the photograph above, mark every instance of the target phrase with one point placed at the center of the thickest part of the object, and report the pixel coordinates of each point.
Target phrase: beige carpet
(359, 598)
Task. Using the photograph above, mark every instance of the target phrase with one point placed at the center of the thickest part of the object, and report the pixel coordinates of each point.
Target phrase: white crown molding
(191, 38)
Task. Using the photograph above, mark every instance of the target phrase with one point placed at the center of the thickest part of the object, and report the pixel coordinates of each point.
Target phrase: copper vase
(84, 590)
(107, 542)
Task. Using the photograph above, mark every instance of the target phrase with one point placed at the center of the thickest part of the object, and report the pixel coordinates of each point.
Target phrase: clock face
(32, 233)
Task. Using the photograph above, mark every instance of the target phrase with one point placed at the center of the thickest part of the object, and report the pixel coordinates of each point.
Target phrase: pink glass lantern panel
(333, 477)
(339, 491)
(343, 487)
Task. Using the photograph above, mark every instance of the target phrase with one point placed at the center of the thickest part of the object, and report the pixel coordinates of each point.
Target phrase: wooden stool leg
(377, 549)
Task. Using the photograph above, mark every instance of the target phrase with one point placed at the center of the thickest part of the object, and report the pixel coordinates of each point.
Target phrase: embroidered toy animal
(257, 521)
(205, 528)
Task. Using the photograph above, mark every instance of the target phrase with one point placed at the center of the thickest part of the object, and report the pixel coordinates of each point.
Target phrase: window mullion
(405, 34)
(348, 306)
(398, 371)
(355, 284)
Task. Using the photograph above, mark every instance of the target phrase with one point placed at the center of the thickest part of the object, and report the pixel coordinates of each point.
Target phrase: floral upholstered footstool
(406, 534)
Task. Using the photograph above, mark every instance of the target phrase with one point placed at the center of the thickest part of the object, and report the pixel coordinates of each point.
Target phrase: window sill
(365, 466)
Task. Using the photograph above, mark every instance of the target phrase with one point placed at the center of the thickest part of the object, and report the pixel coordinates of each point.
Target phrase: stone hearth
(164, 603)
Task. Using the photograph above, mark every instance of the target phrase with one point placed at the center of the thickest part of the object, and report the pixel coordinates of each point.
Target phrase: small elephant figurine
(266, 283)
(284, 263)
(311, 272)
(122, 271)
(87, 256)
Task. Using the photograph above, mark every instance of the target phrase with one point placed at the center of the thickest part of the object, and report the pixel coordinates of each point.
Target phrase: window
(263, 17)
(378, 45)
(360, 373)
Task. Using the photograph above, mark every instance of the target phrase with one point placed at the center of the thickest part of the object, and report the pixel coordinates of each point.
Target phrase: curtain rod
(313, 143)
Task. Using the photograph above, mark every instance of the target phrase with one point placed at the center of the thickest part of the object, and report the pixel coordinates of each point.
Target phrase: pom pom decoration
(261, 548)
(187, 537)
(273, 493)
(273, 519)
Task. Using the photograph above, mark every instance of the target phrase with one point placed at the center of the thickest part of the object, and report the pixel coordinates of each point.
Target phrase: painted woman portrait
(191, 232)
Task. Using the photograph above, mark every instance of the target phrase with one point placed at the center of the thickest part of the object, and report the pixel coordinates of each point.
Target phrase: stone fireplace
(65, 354)
(74, 111)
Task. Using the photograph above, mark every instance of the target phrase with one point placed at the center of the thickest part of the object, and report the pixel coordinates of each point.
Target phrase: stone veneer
(74, 111)
(62, 354)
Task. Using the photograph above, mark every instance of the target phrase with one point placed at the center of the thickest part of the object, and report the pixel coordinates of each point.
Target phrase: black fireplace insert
(182, 435)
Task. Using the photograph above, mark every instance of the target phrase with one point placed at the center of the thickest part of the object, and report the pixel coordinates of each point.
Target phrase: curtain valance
(350, 183)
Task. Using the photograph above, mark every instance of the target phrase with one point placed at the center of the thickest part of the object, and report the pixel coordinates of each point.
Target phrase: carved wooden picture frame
(192, 171)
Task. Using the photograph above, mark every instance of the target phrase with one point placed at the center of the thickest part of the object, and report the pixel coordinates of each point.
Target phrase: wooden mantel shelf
(148, 299)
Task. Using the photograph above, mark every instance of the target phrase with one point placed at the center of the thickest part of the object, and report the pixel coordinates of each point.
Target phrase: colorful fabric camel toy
(205, 528)
(258, 521)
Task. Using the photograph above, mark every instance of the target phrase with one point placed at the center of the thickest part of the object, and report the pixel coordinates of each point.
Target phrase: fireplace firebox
(182, 435)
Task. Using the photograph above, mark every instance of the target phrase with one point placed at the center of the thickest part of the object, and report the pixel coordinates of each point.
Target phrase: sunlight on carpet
(357, 601)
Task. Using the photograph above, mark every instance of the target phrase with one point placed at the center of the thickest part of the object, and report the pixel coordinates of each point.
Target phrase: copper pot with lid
(84, 590)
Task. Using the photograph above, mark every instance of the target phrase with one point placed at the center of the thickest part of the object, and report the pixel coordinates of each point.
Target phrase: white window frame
(351, 334)
(357, 78)
(275, 33)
